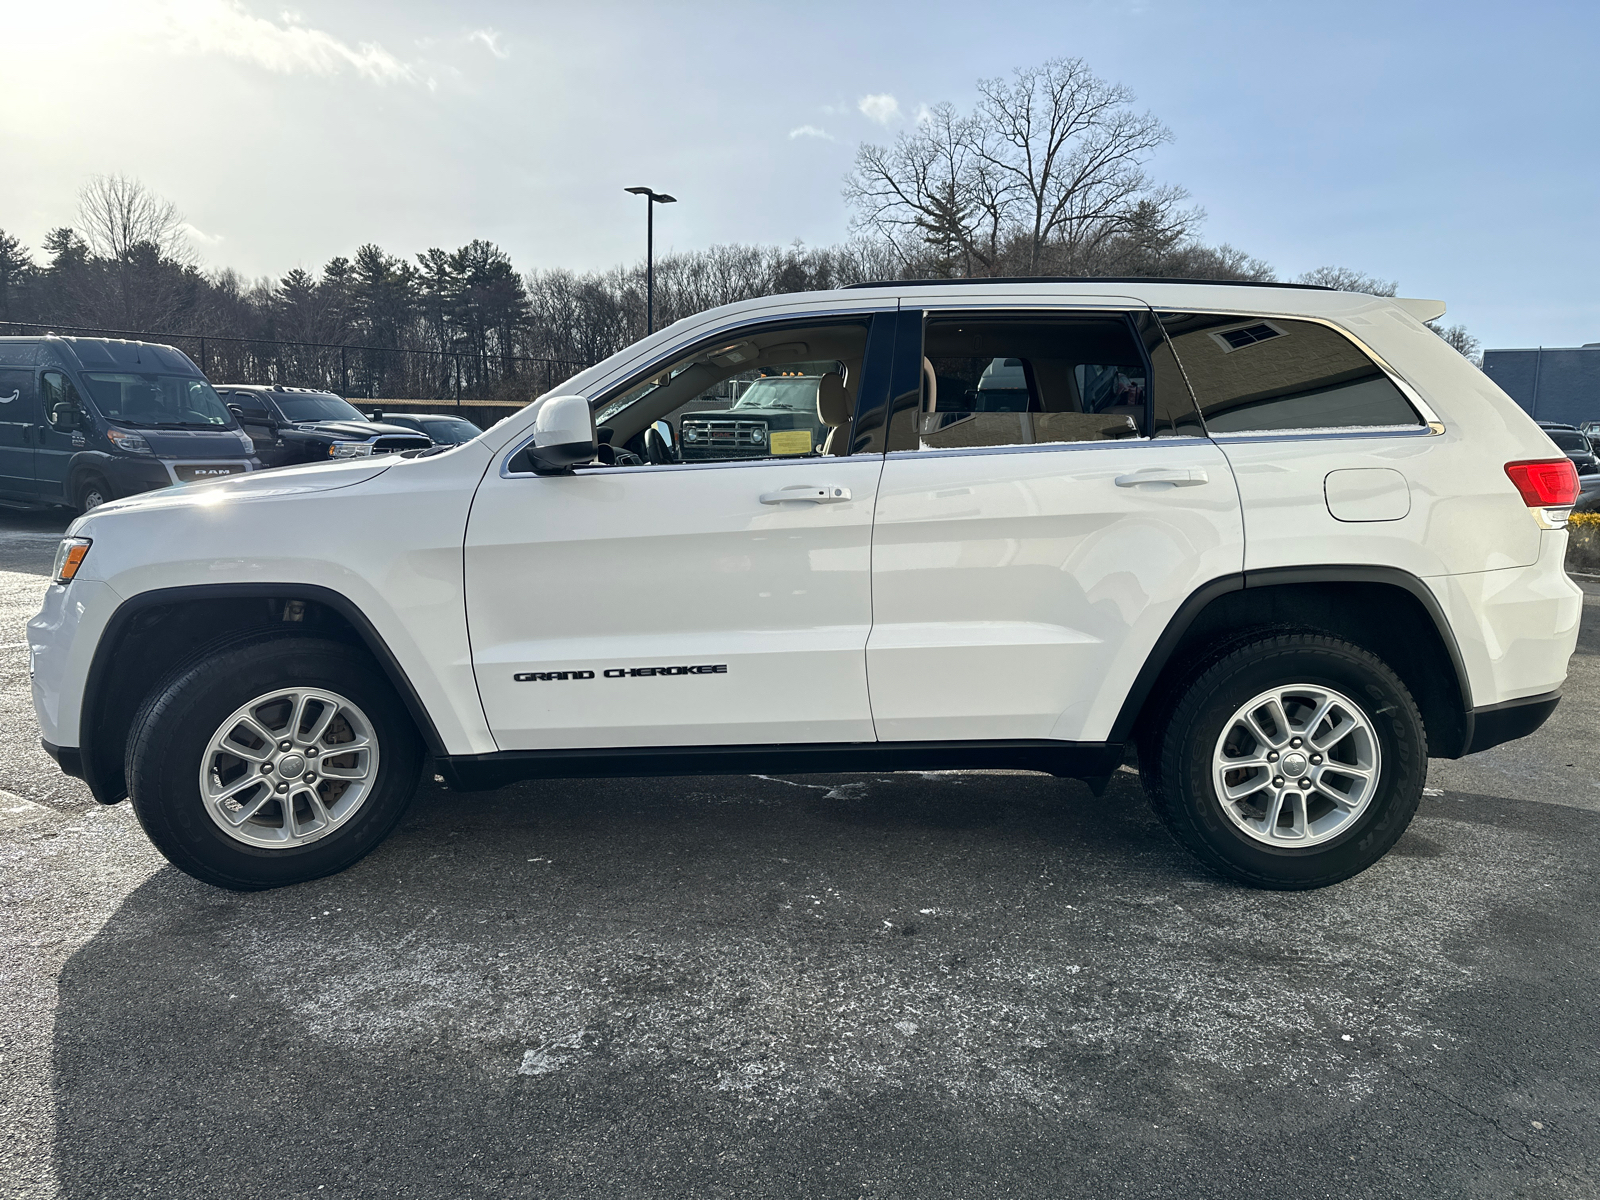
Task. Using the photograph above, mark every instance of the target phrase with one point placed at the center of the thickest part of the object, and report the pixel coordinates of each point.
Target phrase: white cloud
(811, 131)
(491, 41)
(287, 46)
(199, 235)
(880, 107)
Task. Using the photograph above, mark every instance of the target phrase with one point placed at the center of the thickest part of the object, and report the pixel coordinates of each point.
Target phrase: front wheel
(272, 762)
(1293, 761)
(91, 493)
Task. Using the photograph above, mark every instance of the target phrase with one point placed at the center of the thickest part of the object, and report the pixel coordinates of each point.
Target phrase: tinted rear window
(1251, 374)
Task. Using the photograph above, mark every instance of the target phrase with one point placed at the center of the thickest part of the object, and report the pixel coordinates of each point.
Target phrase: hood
(257, 485)
(194, 443)
(356, 430)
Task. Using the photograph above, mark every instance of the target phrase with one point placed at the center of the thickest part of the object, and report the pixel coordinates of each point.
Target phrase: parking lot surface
(941, 985)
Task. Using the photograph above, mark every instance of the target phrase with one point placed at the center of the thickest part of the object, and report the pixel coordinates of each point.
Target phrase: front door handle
(1176, 476)
(827, 494)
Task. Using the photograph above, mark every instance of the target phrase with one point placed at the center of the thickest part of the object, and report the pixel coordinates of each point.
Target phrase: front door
(17, 420)
(1044, 511)
(713, 589)
(60, 434)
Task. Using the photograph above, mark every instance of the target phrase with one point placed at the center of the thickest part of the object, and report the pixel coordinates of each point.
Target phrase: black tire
(1176, 752)
(91, 492)
(174, 726)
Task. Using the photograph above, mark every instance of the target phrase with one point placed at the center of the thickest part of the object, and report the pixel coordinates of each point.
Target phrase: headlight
(131, 443)
(349, 449)
(69, 557)
(757, 436)
(691, 435)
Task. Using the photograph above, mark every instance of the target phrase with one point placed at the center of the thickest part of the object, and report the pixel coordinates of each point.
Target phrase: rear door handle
(828, 494)
(1176, 476)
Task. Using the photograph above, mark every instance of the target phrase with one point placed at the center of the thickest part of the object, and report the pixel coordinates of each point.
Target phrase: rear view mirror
(563, 436)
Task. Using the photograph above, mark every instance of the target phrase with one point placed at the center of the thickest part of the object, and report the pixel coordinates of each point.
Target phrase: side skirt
(1075, 760)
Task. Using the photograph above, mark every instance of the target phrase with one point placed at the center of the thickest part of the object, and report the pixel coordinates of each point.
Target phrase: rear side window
(1025, 378)
(1252, 374)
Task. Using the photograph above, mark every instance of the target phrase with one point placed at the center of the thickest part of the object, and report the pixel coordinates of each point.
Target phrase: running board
(1073, 760)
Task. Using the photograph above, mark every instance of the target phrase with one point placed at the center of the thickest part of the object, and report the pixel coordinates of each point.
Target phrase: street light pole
(651, 200)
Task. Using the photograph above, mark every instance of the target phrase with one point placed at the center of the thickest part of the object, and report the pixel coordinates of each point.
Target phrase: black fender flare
(86, 462)
(100, 664)
(1198, 600)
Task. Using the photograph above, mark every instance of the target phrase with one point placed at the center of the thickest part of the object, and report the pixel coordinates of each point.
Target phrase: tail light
(1549, 488)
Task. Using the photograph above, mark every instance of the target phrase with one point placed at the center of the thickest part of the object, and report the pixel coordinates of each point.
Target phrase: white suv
(1283, 541)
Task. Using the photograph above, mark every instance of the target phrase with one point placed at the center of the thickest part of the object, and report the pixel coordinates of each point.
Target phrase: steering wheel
(655, 446)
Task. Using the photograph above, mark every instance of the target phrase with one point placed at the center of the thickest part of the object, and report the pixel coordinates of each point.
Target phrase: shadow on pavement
(830, 986)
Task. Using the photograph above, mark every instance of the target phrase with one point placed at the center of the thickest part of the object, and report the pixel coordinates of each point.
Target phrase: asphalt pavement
(920, 986)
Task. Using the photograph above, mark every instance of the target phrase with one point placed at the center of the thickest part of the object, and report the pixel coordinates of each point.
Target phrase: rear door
(1048, 501)
(18, 417)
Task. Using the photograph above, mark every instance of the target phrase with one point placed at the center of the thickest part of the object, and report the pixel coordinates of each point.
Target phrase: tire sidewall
(1219, 693)
(173, 731)
(91, 483)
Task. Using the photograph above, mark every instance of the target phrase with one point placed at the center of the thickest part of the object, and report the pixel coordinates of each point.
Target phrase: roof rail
(878, 283)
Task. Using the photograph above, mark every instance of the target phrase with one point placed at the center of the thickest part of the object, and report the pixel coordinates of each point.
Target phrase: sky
(1452, 148)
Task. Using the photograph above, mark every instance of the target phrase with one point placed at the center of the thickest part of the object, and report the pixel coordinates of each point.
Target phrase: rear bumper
(1497, 723)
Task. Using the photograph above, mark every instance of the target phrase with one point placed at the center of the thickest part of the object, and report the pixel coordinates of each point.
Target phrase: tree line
(1045, 175)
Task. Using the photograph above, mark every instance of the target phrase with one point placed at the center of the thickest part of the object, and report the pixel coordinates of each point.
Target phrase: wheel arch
(1387, 610)
(191, 618)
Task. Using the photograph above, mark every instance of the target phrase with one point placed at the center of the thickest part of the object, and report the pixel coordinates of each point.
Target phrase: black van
(86, 420)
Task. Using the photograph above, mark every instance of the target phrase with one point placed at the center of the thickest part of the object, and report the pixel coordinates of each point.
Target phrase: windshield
(789, 393)
(158, 401)
(319, 406)
(451, 431)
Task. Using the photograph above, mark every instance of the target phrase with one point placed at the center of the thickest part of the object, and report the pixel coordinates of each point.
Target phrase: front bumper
(61, 645)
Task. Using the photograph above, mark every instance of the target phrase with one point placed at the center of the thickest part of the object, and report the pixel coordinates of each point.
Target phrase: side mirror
(375, 415)
(563, 436)
(236, 411)
(66, 416)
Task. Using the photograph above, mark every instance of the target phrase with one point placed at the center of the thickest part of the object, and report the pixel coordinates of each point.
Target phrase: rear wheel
(312, 764)
(1294, 760)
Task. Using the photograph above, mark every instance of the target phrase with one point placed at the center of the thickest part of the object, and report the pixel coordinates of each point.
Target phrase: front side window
(1255, 375)
(157, 401)
(60, 400)
(767, 392)
(1022, 379)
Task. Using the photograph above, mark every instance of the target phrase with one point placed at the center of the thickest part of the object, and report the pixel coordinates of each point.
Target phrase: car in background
(290, 426)
(87, 420)
(1579, 449)
(445, 430)
(1590, 429)
(774, 414)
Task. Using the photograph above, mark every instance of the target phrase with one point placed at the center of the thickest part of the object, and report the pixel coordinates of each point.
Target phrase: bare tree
(1052, 157)
(116, 215)
(1459, 340)
(1346, 279)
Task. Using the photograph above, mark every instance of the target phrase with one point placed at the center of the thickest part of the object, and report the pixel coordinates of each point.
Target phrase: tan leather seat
(833, 407)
